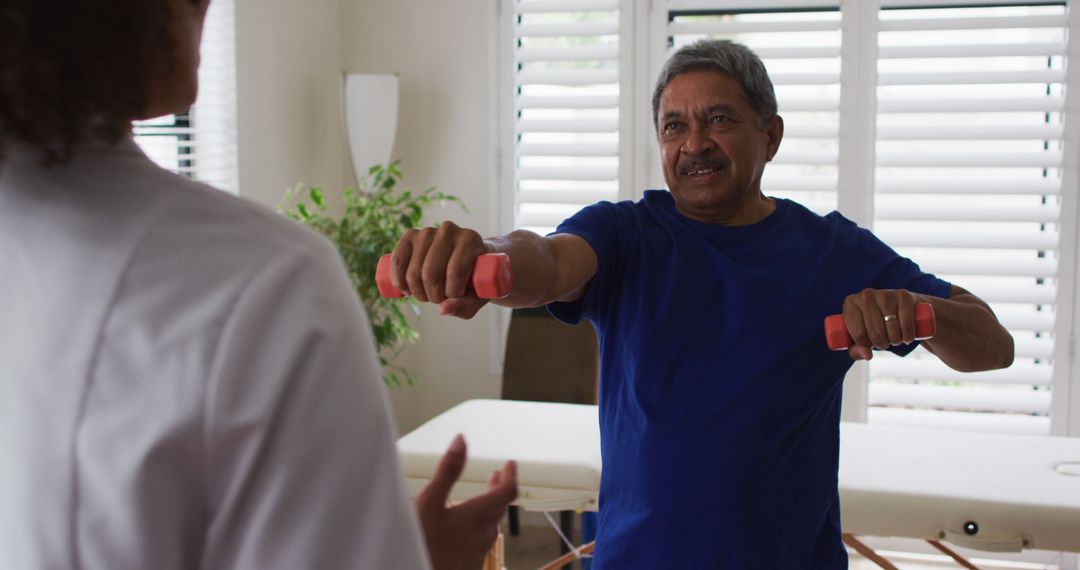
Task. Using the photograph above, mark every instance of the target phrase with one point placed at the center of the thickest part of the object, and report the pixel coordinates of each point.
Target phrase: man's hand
(459, 537)
(436, 265)
(879, 318)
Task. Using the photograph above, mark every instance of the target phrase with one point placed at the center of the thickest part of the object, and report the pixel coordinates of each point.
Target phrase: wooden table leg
(496, 557)
(953, 554)
(850, 540)
(568, 557)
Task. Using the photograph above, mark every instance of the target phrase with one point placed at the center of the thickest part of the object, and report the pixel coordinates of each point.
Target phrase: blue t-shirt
(719, 398)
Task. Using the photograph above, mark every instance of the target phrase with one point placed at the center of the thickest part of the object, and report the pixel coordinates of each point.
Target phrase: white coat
(187, 381)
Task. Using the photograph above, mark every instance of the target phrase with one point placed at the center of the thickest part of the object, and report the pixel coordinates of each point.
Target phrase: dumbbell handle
(491, 277)
(836, 333)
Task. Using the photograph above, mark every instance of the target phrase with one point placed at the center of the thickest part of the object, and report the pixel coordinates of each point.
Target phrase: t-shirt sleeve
(890, 270)
(598, 225)
(301, 458)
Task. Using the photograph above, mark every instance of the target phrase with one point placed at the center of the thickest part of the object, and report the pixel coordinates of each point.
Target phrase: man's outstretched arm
(969, 337)
(435, 264)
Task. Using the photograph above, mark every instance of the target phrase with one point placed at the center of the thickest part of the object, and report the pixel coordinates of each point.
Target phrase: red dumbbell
(836, 333)
(491, 278)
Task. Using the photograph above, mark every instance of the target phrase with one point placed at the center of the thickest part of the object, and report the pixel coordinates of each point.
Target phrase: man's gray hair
(727, 57)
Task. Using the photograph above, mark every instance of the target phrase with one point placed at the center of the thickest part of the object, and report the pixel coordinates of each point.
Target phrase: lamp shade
(371, 110)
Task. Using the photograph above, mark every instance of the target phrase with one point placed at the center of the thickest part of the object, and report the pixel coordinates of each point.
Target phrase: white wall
(440, 52)
(288, 101)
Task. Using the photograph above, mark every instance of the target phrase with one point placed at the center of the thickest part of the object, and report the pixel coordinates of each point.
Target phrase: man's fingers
(414, 273)
(399, 261)
(435, 266)
(460, 267)
(462, 307)
(905, 309)
(853, 320)
(857, 352)
(446, 474)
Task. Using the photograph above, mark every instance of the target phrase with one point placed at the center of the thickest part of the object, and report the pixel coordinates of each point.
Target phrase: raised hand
(459, 537)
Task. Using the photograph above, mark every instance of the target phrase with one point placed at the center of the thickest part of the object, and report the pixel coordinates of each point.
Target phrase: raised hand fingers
(436, 493)
(502, 490)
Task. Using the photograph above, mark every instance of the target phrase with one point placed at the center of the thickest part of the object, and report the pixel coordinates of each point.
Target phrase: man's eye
(671, 127)
(719, 119)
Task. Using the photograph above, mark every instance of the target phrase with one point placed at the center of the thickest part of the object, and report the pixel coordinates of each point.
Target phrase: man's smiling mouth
(702, 171)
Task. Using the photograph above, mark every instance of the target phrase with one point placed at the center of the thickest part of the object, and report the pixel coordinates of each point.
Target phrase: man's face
(712, 150)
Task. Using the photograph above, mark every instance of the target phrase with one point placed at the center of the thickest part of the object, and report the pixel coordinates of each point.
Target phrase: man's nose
(697, 141)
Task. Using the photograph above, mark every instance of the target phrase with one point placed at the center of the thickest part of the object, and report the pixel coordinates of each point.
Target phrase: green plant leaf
(376, 213)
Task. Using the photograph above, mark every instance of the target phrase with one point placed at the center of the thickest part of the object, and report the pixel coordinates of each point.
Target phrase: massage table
(981, 491)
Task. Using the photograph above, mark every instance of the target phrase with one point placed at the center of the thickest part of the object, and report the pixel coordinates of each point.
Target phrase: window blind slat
(971, 77)
(933, 369)
(811, 131)
(906, 210)
(961, 23)
(746, 5)
(972, 50)
(569, 29)
(744, 27)
(567, 173)
(573, 53)
(545, 6)
(943, 264)
(973, 185)
(807, 104)
(1040, 159)
(808, 183)
(568, 77)
(1050, 103)
(1045, 132)
(960, 398)
(579, 197)
(567, 125)
(800, 156)
(568, 149)
(966, 237)
(567, 102)
(995, 423)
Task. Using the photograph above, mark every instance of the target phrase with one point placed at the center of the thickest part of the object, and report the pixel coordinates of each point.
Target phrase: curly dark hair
(70, 69)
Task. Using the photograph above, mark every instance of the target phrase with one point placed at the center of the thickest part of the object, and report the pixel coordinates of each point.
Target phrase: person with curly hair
(186, 379)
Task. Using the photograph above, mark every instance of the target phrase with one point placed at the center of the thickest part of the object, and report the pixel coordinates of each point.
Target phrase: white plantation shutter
(566, 105)
(201, 143)
(969, 149)
(940, 124)
(799, 42)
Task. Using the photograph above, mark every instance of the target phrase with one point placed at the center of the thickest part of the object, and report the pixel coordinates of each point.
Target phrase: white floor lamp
(371, 110)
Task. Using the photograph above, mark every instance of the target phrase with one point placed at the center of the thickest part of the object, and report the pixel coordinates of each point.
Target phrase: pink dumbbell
(491, 278)
(836, 333)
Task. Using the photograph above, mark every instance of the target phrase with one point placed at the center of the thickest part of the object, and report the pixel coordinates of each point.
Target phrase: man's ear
(774, 129)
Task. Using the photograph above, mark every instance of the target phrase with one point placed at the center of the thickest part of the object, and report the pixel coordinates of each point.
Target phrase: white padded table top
(556, 446)
(912, 482)
(894, 481)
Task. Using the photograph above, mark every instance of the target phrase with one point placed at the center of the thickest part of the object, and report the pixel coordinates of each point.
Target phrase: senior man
(719, 400)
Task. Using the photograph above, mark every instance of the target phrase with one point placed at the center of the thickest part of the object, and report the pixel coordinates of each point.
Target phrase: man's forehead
(701, 90)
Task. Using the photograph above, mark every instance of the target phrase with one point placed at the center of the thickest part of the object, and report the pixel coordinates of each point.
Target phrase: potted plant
(375, 216)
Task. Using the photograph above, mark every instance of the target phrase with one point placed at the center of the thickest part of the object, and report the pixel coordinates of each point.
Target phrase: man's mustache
(701, 163)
